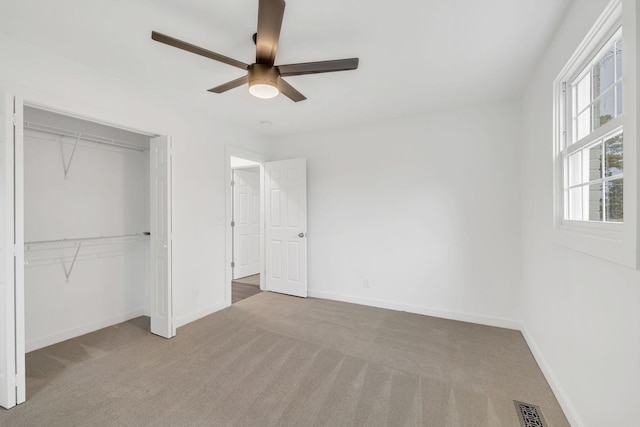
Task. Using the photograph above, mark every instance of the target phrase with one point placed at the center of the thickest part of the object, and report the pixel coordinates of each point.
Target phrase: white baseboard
(558, 391)
(198, 314)
(36, 343)
(420, 309)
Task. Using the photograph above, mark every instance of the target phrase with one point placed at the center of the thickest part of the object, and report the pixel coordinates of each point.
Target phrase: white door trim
(8, 309)
(233, 151)
(18, 197)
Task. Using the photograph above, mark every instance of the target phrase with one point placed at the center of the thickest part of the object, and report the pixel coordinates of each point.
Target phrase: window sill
(608, 241)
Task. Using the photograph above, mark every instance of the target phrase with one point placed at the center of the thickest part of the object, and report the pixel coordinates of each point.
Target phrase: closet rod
(83, 241)
(85, 136)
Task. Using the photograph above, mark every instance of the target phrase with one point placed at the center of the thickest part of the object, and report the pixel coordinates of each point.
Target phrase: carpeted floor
(275, 360)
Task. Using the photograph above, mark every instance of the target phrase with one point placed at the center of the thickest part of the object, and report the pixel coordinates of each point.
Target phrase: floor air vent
(529, 415)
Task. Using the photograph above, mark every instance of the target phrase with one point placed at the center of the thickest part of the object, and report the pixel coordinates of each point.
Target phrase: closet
(85, 232)
(87, 226)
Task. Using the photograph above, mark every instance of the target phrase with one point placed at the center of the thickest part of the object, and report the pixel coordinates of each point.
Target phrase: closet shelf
(81, 135)
(45, 245)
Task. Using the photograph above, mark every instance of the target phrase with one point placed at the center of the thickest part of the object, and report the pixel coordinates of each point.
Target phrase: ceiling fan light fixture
(264, 90)
(263, 81)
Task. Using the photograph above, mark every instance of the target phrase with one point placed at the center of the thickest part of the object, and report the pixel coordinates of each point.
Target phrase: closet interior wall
(98, 190)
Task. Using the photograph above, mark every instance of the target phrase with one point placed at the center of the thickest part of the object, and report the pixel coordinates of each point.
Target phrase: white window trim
(615, 242)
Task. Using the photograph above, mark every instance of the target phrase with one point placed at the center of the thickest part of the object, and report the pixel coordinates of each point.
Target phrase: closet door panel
(160, 210)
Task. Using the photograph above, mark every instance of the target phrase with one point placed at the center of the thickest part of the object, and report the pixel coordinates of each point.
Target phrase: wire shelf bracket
(67, 165)
(67, 273)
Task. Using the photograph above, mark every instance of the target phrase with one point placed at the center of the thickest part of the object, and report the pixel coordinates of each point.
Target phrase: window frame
(613, 241)
(570, 144)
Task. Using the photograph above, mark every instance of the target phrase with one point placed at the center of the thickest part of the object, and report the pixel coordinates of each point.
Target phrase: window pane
(613, 194)
(595, 202)
(575, 204)
(574, 169)
(613, 156)
(583, 125)
(619, 59)
(603, 109)
(603, 73)
(593, 164)
(583, 93)
(619, 99)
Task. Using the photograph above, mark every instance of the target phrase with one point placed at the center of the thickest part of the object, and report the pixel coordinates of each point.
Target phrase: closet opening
(96, 218)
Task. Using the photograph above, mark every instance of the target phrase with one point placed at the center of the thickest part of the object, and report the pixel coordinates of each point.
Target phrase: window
(593, 154)
(595, 141)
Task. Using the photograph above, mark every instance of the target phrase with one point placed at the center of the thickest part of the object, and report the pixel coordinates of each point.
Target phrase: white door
(286, 226)
(12, 372)
(160, 277)
(246, 220)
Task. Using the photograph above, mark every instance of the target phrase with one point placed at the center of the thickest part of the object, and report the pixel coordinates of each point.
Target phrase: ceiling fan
(264, 78)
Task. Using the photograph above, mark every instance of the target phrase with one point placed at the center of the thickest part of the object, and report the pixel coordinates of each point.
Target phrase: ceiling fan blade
(270, 13)
(197, 50)
(289, 91)
(229, 85)
(318, 67)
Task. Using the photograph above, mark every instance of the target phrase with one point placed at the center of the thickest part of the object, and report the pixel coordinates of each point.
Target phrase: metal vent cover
(529, 415)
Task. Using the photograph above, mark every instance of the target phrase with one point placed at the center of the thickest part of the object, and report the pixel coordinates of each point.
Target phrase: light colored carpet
(274, 360)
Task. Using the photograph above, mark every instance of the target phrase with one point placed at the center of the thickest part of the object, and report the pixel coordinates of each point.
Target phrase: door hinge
(19, 381)
(233, 264)
(233, 183)
(233, 223)
(564, 87)
(15, 250)
(14, 119)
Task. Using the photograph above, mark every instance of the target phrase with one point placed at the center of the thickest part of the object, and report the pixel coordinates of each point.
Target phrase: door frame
(12, 371)
(19, 300)
(233, 151)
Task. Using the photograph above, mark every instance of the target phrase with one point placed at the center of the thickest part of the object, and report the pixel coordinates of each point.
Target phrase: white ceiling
(415, 55)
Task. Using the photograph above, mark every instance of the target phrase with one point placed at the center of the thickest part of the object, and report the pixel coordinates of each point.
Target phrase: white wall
(581, 314)
(198, 158)
(427, 209)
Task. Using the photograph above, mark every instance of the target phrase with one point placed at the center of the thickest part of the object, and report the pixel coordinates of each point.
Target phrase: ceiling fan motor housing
(263, 74)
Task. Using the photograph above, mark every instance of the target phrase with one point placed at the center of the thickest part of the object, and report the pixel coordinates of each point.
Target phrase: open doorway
(283, 223)
(245, 223)
(245, 232)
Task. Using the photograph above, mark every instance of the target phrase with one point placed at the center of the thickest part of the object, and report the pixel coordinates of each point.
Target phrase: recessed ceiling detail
(264, 78)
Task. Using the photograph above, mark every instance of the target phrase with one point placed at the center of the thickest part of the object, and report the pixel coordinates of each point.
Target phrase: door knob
(301, 234)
